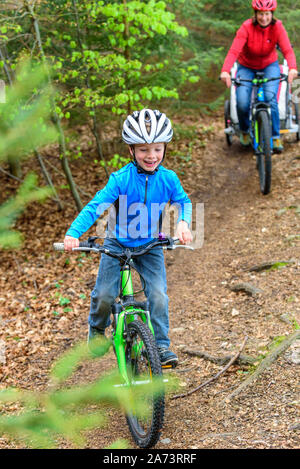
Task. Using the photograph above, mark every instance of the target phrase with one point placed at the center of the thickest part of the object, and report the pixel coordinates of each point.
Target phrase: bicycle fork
(258, 107)
(121, 335)
(256, 134)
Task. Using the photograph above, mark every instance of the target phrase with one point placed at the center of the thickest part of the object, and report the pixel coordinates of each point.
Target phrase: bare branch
(242, 359)
(266, 363)
(233, 359)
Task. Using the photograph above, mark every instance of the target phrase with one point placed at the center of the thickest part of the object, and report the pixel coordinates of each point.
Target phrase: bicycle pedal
(169, 366)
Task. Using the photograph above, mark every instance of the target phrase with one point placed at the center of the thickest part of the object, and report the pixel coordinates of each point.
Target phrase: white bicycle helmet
(147, 126)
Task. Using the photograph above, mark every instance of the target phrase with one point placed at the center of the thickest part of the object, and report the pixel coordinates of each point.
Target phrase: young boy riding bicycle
(143, 186)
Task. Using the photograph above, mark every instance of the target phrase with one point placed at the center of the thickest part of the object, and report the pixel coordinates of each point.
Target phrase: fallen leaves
(37, 324)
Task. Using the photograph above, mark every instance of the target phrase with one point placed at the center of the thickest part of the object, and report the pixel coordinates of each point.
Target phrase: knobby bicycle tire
(229, 138)
(145, 431)
(297, 119)
(265, 155)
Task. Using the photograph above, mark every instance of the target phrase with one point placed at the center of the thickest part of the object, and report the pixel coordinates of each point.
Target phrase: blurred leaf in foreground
(24, 126)
(25, 116)
(43, 418)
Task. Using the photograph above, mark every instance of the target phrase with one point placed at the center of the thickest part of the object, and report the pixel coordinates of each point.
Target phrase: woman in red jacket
(254, 47)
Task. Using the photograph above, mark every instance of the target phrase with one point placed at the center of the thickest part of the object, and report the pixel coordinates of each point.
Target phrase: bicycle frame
(258, 105)
(260, 128)
(125, 312)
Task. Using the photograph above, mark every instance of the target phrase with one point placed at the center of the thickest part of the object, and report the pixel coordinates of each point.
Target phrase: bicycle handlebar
(237, 81)
(91, 246)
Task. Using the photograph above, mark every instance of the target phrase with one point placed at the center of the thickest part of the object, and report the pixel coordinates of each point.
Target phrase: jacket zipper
(146, 190)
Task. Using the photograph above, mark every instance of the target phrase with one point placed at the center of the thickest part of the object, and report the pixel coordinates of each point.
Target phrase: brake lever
(177, 246)
(182, 246)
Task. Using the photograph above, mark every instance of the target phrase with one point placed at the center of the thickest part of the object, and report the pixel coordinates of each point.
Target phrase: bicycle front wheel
(265, 152)
(143, 361)
(297, 120)
(227, 121)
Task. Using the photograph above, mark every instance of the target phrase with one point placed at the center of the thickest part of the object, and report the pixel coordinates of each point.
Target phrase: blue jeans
(152, 267)
(243, 95)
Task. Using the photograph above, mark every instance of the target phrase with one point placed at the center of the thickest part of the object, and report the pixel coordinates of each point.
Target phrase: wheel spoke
(143, 364)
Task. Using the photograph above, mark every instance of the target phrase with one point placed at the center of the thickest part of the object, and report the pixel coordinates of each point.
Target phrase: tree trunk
(48, 179)
(14, 164)
(95, 121)
(55, 118)
(127, 52)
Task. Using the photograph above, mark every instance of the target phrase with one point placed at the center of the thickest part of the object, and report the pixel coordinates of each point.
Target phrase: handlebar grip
(85, 244)
(58, 246)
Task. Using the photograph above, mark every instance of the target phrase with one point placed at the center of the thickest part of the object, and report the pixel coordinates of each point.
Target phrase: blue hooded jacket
(139, 200)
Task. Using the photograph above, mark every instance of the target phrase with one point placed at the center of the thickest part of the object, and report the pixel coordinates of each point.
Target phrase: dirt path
(242, 229)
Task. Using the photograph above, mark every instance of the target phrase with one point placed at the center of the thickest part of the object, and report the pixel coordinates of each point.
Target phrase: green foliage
(63, 301)
(277, 266)
(268, 349)
(45, 416)
(24, 117)
(296, 325)
(117, 161)
(276, 342)
(24, 125)
(120, 55)
(65, 412)
(125, 70)
(109, 57)
(12, 208)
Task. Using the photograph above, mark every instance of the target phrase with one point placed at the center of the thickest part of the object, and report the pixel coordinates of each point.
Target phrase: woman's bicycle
(260, 126)
(133, 339)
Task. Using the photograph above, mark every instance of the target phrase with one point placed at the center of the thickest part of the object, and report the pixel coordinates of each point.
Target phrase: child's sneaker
(277, 145)
(245, 139)
(97, 343)
(167, 357)
(94, 332)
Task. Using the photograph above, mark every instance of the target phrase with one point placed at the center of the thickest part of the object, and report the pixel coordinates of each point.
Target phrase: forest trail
(242, 228)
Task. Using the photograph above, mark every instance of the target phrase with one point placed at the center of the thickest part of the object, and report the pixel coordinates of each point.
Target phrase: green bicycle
(133, 339)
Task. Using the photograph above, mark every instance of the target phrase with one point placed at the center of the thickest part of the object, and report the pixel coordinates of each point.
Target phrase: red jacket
(254, 46)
